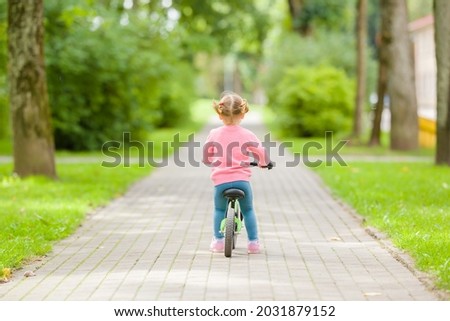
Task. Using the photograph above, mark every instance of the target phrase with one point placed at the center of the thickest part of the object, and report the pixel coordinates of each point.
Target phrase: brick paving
(152, 244)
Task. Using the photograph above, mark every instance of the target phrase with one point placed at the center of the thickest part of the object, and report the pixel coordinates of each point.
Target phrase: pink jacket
(228, 151)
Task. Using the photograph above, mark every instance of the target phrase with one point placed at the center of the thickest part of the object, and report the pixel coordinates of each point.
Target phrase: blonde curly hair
(230, 105)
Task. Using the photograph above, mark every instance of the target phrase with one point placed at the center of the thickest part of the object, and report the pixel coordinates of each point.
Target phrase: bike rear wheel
(229, 232)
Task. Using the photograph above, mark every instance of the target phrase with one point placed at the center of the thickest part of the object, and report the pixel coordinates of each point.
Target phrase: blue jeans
(220, 205)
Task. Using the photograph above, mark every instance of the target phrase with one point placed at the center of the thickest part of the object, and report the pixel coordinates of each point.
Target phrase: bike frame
(232, 204)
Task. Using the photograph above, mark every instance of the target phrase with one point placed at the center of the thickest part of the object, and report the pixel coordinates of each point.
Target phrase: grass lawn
(407, 201)
(36, 211)
(300, 145)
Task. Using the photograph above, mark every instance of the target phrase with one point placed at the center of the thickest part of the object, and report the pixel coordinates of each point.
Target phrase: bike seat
(233, 193)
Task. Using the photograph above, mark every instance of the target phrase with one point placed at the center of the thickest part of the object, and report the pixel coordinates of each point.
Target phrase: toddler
(227, 151)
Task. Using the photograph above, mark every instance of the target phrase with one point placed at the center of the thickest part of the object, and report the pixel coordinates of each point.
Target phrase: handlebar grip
(268, 166)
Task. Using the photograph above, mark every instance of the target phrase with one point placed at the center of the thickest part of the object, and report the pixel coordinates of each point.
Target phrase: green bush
(323, 48)
(106, 77)
(311, 100)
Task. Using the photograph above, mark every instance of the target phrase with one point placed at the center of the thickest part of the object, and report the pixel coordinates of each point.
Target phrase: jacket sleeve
(208, 151)
(258, 151)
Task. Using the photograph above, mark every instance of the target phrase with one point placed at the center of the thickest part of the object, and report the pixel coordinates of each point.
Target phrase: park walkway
(152, 244)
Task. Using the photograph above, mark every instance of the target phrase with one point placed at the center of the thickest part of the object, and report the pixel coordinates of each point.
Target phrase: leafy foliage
(220, 25)
(329, 14)
(311, 100)
(322, 37)
(307, 94)
(288, 50)
(107, 77)
(127, 66)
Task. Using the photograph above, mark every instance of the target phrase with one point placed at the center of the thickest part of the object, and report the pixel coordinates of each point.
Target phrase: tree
(400, 75)
(295, 10)
(361, 43)
(442, 38)
(224, 25)
(32, 133)
(4, 113)
(375, 136)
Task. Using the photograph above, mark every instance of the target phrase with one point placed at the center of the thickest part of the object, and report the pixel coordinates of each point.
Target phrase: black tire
(229, 232)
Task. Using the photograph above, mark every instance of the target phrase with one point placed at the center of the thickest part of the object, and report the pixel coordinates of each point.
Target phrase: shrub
(311, 100)
(330, 48)
(107, 78)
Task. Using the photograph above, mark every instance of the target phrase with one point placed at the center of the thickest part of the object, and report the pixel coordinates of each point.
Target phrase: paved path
(152, 244)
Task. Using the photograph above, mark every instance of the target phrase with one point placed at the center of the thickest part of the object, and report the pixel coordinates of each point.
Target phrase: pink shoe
(253, 247)
(217, 245)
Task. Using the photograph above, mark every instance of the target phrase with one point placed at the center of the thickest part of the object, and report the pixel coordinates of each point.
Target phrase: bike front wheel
(229, 232)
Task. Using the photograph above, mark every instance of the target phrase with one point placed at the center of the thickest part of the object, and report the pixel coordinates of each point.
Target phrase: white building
(422, 35)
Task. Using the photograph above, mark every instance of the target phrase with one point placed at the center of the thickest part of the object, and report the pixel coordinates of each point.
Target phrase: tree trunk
(400, 73)
(295, 9)
(375, 137)
(442, 38)
(4, 115)
(30, 112)
(361, 40)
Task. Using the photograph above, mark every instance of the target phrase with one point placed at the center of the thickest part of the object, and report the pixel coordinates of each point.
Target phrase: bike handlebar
(268, 166)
